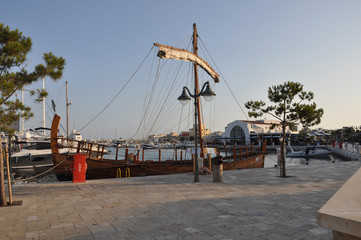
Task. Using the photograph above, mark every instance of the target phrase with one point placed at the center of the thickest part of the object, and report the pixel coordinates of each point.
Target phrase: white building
(244, 131)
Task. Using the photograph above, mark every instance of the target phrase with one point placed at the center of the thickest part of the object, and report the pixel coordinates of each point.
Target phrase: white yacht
(309, 152)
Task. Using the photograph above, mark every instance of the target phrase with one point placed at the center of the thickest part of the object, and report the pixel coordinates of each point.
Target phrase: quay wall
(348, 151)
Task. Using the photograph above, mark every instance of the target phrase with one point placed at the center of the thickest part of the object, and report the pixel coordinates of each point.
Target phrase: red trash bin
(79, 167)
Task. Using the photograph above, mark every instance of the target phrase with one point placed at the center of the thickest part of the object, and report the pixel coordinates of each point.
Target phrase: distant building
(155, 138)
(245, 132)
(205, 131)
(184, 136)
(211, 138)
(161, 138)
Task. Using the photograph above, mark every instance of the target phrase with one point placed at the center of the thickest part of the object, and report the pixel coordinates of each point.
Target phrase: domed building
(247, 132)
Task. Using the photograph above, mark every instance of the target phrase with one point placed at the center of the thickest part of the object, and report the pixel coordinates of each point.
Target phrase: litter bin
(78, 168)
(218, 169)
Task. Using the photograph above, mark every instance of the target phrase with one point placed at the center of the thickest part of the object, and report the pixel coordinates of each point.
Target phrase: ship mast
(196, 86)
(43, 107)
(67, 111)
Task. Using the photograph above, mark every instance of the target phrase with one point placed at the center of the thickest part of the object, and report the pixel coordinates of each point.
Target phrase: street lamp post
(184, 98)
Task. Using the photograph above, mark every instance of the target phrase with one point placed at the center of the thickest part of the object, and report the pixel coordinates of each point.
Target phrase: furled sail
(182, 54)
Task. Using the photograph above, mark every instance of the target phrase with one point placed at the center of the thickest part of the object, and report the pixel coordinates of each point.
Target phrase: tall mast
(196, 84)
(67, 111)
(22, 118)
(44, 107)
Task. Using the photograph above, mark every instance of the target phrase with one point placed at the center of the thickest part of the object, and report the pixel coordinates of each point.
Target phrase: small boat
(32, 149)
(148, 146)
(309, 152)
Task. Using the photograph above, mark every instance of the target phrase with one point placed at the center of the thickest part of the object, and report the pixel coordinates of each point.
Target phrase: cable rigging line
(158, 101)
(77, 101)
(180, 117)
(147, 91)
(239, 105)
(167, 96)
(118, 91)
(150, 99)
(168, 109)
(172, 110)
(229, 88)
(145, 108)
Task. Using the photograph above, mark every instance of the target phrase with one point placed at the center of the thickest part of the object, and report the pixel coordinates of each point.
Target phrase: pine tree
(289, 108)
(14, 75)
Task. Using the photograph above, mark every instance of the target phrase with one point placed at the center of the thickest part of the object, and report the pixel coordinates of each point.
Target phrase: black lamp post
(208, 95)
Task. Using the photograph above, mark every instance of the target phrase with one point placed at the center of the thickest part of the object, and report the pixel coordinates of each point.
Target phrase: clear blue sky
(255, 44)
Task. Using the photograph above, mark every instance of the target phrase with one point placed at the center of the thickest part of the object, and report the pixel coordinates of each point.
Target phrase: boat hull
(99, 169)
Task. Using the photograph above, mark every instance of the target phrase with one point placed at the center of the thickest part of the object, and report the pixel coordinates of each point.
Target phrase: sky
(254, 44)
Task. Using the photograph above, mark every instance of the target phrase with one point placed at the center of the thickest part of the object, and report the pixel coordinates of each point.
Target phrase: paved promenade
(249, 204)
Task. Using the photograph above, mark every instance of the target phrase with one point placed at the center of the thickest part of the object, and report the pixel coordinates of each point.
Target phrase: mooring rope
(26, 179)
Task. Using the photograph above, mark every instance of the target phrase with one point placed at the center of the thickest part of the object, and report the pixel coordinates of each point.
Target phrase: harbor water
(172, 154)
(271, 160)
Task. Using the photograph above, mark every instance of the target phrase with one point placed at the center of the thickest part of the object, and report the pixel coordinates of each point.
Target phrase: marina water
(169, 154)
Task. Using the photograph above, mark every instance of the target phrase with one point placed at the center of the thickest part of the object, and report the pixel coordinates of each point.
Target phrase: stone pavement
(249, 204)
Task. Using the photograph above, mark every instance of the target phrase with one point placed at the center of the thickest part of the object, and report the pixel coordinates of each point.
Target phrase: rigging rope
(161, 105)
(149, 101)
(118, 91)
(26, 179)
(229, 88)
(148, 84)
(47, 104)
(77, 101)
(167, 97)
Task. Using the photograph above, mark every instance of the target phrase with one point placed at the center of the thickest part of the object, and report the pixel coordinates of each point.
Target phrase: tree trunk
(2, 177)
(283, 157)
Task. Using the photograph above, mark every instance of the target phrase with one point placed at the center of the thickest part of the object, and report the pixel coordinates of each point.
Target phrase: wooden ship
(100, 167)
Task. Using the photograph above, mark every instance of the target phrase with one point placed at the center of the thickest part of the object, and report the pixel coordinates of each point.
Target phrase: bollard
(217, 169)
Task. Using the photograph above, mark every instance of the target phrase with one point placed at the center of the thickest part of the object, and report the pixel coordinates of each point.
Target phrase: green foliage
(14, 48)
(41, 93)
(289, 108)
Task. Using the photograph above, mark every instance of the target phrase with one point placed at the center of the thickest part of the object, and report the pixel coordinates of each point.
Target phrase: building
(246, 132)
(161, 138)
(205, 131)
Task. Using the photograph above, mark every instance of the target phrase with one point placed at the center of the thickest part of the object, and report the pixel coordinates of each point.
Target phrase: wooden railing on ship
(97, 151)
(92, 150)
(240, 152)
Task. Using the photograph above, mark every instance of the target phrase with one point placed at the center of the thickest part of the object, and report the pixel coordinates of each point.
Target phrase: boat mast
(44, 107)
(22, 118)
(196, 86)
(67, 111)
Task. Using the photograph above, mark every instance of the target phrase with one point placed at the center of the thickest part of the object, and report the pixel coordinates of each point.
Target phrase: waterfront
(169, 154)
(172, 154)
(270, 159)
(249, 204)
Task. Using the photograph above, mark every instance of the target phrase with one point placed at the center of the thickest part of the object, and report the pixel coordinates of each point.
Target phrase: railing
(91, 150)
(239, 152)
(97, 151)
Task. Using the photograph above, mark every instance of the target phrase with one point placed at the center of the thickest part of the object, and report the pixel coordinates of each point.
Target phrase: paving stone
(249, 204)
